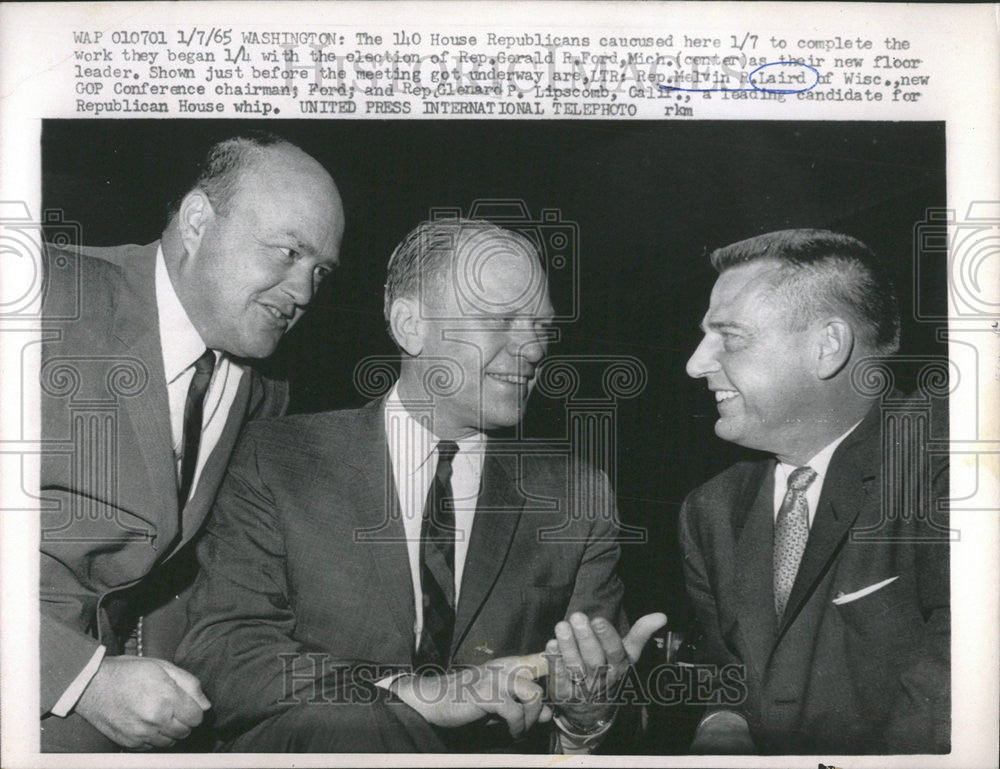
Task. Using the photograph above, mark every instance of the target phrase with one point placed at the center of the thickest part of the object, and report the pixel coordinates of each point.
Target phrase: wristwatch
(572, 729)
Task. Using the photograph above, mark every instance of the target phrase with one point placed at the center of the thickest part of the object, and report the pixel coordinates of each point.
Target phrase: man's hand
(587, 658)
(723, 732)
(142, 703)
(504, 687)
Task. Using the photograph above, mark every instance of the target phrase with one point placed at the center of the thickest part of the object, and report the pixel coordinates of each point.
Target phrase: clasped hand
(584, 651)
(505, 687)
(142, 703)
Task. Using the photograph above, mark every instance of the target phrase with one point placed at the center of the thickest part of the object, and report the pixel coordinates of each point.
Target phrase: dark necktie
(194, 408)
(437, 563)
(791, 531)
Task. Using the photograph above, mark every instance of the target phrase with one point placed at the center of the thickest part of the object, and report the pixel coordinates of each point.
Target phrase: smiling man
(843, 641)
(379, 580)
(154, 344)
(248, 248)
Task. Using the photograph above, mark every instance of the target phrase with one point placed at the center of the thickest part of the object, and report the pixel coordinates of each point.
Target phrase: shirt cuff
(729, 715)
(387, 682)
(69, 697)
(569, 743)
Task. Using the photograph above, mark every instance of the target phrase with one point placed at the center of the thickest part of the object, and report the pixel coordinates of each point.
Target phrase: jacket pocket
(889, 615)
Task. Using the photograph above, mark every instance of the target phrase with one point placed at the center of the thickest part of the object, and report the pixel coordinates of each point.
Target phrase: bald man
(165, 334)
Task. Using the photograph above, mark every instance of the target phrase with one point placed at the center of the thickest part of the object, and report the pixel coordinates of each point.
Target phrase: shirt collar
(420, 441)
(820, 462)
(182, 344)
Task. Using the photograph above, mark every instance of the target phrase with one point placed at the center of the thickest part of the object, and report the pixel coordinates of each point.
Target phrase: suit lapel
(498, 511)
(378, 517)
(754, 564)
(136, 327)
(845, 492)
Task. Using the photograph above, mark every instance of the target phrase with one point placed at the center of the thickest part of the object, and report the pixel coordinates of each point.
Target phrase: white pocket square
(843, 598)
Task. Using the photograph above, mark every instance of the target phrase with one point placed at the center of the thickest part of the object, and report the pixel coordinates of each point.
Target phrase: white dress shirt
(414, 456)
(820, 463)
(181, 346)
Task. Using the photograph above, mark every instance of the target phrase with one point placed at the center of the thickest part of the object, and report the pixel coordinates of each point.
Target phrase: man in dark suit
(346, 548)
(145, 383)
(828, 598)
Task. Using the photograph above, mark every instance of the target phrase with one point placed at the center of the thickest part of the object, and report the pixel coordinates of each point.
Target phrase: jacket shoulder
(302, 432)
(116, 255)
(77, 285)
(542, 461)
(269, 396)
(724, 489)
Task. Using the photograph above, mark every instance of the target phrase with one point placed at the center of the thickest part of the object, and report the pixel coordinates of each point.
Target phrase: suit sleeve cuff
(69, 697)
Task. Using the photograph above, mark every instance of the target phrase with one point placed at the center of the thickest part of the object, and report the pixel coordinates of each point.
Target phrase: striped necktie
(437, 563)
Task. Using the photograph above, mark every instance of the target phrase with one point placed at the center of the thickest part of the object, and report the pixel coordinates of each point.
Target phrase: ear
(193, 218)
(836, 344)
(407, 325)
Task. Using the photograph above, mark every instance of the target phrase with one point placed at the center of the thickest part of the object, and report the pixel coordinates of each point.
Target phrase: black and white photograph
(473, 384)
(642, 336)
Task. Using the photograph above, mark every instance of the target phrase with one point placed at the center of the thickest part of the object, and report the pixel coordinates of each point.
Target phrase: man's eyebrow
(307, 248)
(722, 325)
(301, 245)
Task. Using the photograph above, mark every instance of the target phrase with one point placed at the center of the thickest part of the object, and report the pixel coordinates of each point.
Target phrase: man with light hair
(379, 579)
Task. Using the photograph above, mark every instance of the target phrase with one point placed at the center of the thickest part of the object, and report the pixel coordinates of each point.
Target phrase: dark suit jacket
(868, 676)
(304, 564)
(110, 520)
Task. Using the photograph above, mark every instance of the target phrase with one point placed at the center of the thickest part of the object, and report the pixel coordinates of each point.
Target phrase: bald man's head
(250, 243)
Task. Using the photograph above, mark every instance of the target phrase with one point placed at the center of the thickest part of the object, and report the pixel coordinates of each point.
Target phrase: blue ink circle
(783, 90)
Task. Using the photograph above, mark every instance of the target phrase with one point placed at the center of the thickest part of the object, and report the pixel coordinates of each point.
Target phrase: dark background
(651, 199)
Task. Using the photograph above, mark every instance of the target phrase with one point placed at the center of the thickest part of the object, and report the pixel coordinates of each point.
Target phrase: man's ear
(835, 346)
(407, 325)
(193, 218)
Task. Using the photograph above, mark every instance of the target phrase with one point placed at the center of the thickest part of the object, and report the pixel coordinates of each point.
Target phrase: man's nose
(528, 344)
(702, 362)
(299, 284)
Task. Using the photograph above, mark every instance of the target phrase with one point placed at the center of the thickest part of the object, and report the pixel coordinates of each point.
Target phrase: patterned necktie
(791, 531)
(437, 563)
(194, 408)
